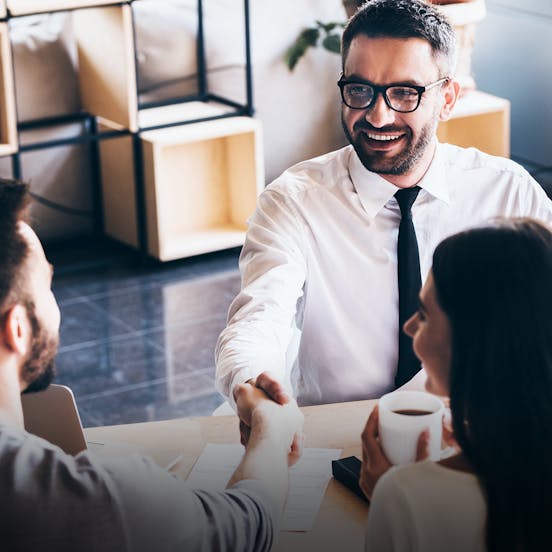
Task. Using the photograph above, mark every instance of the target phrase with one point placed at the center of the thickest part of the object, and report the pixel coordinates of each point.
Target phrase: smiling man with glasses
(339, 245)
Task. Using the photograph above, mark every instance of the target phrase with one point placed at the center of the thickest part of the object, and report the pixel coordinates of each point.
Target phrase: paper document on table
(215, 466)
(307, 482)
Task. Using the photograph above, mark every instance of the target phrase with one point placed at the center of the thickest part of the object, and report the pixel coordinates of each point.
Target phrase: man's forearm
(265, 459)
(239, 357)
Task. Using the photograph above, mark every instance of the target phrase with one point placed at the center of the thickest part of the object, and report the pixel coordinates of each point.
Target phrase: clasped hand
(263, 404)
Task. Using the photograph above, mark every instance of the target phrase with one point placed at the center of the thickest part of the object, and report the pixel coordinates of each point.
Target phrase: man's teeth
(383, 137)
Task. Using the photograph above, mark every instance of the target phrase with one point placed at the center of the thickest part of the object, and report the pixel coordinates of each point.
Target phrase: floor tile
(137, 342)
(83, 322)
(111, 364)
(148, 403)
(165, 304)
(105, 280)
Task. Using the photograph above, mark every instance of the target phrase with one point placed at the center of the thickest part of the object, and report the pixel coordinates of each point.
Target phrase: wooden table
(341, 520)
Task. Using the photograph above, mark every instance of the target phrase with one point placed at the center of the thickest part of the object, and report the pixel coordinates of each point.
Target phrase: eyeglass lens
(399, 98)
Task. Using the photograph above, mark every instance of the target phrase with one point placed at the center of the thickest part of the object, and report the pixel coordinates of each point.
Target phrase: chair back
(52, 414)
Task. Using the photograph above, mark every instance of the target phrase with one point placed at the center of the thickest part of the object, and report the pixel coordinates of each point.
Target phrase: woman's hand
(374, 461)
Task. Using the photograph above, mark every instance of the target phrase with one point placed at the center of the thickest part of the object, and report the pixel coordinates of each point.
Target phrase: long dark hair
(495, 285)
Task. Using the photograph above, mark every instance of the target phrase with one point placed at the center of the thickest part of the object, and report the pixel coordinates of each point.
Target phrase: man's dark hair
(403, 19)
(14, 198)
(494, 285)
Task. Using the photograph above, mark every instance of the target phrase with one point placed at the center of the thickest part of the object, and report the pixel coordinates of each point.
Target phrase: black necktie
(410, 281)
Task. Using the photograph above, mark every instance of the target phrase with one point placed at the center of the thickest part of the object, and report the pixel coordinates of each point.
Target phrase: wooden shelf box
(479, 120)
(8, 118)
(107, 67)
(200, 161)
(201, 184)
(25, 7)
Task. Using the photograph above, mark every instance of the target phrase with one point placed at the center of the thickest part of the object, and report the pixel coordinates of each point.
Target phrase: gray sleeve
(53, 501)
(162, 513)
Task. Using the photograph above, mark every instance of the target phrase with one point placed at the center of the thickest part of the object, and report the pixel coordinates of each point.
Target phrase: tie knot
(406, 198)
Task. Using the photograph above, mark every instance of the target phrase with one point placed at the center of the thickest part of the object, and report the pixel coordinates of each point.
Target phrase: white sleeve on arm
(390, 524)
(536, 203)
(162, 513)
(260, 320)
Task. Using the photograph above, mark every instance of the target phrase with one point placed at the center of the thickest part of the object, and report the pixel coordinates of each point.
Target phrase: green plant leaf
(310, 36)
(306, 39)
(294, 54)
(332, 43)
(329, 27)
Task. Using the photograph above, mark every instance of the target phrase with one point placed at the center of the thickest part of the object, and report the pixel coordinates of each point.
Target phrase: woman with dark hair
(483, 332)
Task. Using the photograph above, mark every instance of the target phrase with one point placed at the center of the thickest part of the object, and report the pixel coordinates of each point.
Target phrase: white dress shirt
(319, 300)
(426, 507)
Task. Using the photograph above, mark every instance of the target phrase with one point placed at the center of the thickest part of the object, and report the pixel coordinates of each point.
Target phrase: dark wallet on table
(347, 472)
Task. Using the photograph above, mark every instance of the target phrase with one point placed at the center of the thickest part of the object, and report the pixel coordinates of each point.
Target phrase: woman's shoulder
(422, 472)
(434, 507)
(429, 479)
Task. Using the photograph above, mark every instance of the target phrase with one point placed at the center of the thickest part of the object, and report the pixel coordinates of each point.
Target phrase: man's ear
(452, 91)
(16, 329)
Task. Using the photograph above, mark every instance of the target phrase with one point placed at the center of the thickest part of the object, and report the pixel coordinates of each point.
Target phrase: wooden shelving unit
(28, 7)
(202, 181)
(107, 69)
(479, 120)
(8, 117)
(201, 184)
(176, 180)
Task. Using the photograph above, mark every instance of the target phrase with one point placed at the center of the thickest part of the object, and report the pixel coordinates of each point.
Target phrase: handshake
(271, 428)
(268, 414)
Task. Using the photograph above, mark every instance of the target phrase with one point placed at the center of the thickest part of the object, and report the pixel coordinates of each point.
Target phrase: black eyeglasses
(403, 98)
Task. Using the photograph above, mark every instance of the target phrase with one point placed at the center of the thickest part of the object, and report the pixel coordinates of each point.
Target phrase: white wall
(513, 59)
(300, 110)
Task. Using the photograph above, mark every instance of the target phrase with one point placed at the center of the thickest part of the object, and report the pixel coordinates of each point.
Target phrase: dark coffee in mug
(413, 412)
(403, 415)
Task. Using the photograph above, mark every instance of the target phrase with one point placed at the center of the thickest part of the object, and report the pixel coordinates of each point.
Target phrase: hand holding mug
(405, 427)
(374, 461)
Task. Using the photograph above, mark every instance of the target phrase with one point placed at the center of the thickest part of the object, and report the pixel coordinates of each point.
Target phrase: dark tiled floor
(137, 340)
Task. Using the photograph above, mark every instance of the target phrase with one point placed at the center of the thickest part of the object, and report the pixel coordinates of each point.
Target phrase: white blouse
(426, 507)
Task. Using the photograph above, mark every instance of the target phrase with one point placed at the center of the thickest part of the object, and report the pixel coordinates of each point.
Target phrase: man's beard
(402, 162)
(39, 368)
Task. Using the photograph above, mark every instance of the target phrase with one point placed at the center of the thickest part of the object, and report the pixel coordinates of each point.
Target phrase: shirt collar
(435, 179)
(374, 191)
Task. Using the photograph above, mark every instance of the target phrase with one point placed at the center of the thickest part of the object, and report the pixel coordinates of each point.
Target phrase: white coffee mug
(403, 416)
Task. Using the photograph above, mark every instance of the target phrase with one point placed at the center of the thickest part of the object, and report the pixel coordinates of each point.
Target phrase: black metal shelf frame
(92, 136)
